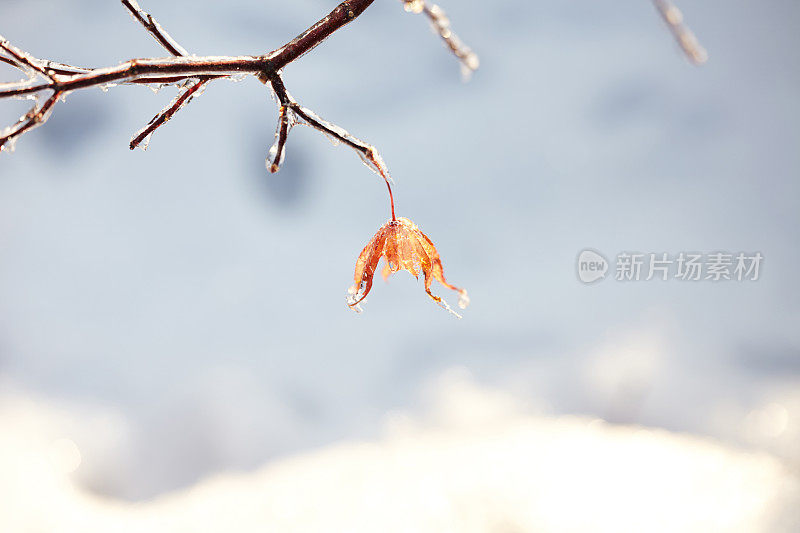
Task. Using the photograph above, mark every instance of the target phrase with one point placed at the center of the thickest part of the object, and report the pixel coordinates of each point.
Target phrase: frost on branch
(291, 113)
(441, 25)
(685, 37)
(277, 153)
(197, 72)
(189, 89)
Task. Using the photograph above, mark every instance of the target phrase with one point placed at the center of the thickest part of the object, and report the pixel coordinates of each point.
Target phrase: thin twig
(159, 120)
(179, 68)
(685, 37)
(441, 25)
(368, 153)
(34, 118)
(44, 67)
(20, 58)
(8, 61)
(155, 29)
(172, 46)
(278, 150)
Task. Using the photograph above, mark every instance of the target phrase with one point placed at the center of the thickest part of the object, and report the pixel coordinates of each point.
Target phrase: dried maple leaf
(404, 247)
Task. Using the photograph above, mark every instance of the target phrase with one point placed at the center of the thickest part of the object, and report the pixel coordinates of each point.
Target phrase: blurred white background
(180, 312)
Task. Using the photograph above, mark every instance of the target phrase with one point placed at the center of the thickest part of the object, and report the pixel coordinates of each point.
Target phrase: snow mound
(476, 462)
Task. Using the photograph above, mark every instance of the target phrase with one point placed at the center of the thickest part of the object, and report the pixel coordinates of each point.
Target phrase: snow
(475, 461)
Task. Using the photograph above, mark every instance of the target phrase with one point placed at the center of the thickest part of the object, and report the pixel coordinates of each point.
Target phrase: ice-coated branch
(34, 118)
(277, 152)
(20, 59)
(38, 113)
(685, 37)
(48, 69)
(154, 70)
(290, 113)
(194, 73)
(155, 29)
(142, 137)
(62, 79)
(8, 61)
(441, 25)
(172, 46)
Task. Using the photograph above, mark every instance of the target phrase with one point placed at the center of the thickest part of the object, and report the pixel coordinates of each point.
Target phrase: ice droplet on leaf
(352, 299)
(463, 299)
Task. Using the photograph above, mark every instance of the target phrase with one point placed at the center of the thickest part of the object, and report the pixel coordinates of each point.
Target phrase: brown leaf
(404, 247)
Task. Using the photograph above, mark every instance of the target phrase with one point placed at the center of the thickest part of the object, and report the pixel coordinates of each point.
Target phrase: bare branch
(19, 58)
(155, 82)
(341, 16)
(8, 61)
(685, 37)
(62, 79)
(368, 153)
(172, 46)
(143, 70)
(44, 67)
(61, 68)
(278, 150)
(186, 95)
(34, 118)
(155, 29)
(441, 25)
